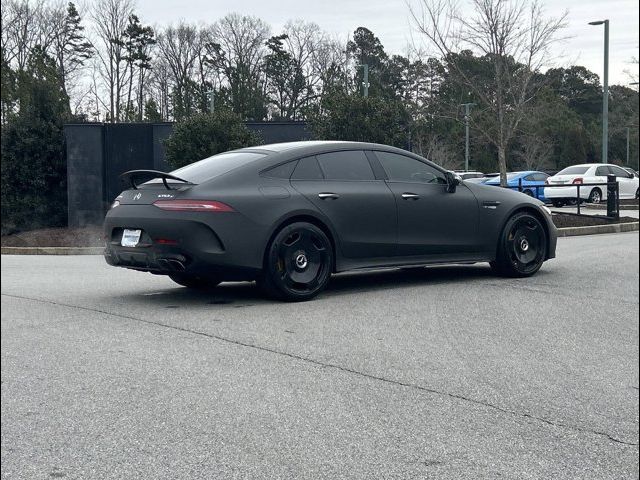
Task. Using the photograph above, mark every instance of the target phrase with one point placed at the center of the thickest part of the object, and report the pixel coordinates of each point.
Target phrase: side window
(619, 172)
(536, 177)
(350, 165)
(405, 169)
(602, 171)
(307, 169)
(281, 171)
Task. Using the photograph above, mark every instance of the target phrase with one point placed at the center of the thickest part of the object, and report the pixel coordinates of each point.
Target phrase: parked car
(586, 174)
(485, 178)
(467, 175)
(533, 182)
(289, 215)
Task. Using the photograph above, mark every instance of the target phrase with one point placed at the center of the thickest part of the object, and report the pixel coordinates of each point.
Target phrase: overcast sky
(389, 20)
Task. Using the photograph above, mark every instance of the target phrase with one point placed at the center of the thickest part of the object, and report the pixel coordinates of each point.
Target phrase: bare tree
(513, 36)
(179, 48)
(331, 64)
(535, 152)
(110, 18)
(237, 50)
(22, 30)
(158, 84)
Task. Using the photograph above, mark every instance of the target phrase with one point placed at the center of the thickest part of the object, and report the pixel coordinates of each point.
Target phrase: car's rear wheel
(595, 196)
(522, 247)
(528, 192)
(195, 282)
(298, 263)
(557, 203)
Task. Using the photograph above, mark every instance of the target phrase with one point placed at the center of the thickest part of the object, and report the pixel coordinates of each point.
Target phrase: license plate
(130, 238)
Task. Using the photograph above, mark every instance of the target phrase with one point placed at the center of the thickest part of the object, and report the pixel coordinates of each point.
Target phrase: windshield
(573, 171)
(208, 168)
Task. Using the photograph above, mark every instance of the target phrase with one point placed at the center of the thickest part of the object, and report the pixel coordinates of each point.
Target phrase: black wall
(97, 153)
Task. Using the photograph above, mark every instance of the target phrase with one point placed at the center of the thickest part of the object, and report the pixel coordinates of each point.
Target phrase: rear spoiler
(132, 175)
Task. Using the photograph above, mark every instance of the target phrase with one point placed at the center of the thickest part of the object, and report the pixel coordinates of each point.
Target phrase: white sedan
(585, 174)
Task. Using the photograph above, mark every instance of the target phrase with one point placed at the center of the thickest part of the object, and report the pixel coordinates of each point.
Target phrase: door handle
(328, 195)
(410, 196)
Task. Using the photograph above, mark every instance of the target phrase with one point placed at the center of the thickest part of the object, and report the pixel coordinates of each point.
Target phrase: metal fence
(612, 186)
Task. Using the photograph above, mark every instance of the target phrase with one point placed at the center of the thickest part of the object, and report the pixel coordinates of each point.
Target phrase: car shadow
(246, 294)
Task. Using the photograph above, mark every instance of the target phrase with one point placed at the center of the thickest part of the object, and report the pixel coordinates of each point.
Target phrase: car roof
(314, 146)
(588, 165)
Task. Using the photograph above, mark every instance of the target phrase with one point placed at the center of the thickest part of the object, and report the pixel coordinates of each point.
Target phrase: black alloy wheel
(298, 263)
(522, 247)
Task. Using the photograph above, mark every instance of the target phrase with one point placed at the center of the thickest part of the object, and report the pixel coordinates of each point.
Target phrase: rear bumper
(222, 244)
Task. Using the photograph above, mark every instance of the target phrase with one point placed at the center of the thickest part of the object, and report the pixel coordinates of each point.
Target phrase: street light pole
(467, 114)
(605, 93)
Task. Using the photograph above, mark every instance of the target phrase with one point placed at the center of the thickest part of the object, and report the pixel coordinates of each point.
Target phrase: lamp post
(605, 93)
(467, 114)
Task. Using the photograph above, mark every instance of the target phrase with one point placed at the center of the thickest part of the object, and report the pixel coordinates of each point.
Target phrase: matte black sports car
(289, 215)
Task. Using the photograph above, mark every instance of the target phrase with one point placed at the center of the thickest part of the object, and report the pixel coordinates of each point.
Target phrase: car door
(628, 184)
(431, 221)
(535, 182)
(361, 208)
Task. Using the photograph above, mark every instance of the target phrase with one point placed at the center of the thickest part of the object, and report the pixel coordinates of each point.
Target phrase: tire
(196, 283)
(298, 263)
(557, 203)
(528, 193)
(637, 193)
(595, 196)
(522, 246)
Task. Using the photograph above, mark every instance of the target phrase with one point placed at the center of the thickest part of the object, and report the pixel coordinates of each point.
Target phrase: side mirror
(452, 182)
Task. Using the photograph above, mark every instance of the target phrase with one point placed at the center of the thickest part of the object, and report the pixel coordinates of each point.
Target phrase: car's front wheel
(298, 263)
(195, 282)
(522, 246)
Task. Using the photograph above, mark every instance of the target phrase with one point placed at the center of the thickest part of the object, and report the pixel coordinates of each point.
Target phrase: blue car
(530, 180)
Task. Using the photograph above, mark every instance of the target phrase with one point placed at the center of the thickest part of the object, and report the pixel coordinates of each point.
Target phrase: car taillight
(192, 206)
(578, 181)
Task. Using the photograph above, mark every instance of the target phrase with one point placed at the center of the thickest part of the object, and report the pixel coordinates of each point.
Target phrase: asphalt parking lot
(443, 372)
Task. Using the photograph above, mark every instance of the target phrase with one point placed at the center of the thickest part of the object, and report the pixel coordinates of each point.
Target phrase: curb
(597, 229)
(601, 206)
(52, 250)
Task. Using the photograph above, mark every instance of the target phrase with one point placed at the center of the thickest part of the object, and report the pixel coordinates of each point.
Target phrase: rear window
(573, 171)
(208, 168)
